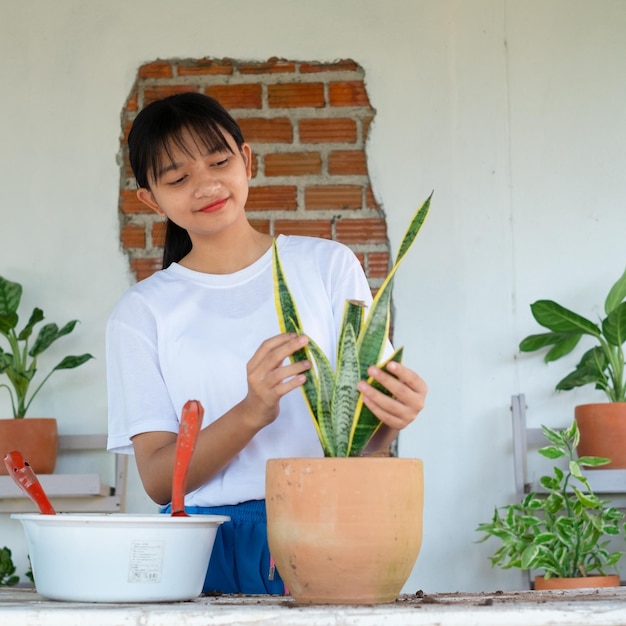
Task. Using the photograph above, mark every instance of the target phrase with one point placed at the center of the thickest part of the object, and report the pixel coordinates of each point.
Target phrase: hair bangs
(196, 135)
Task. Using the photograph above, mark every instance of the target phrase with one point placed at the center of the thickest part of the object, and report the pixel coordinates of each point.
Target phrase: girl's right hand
(270, 376)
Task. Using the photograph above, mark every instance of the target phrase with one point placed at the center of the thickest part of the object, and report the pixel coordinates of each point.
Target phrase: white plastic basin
(119, 557)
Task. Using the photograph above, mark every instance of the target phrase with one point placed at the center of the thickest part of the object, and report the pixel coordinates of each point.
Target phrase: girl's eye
(221, 162)
(177, 181)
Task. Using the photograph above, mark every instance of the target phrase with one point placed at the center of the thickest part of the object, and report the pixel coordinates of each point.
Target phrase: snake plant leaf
(325, 385)
(345, 393)
(561, 320)
(616, 294)
(614, 326)
(289, 322)
(375, 331)
(366, 424)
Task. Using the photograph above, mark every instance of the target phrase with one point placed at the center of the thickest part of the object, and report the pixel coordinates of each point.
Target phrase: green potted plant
(563, 530)
(602, 425)
(312, 504)
(19, 360)
(8, 577)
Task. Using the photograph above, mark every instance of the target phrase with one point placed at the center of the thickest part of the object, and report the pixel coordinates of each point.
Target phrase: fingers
(271, 376)
(408, 395)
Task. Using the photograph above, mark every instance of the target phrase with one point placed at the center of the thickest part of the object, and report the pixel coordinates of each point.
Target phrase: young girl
(205, 327)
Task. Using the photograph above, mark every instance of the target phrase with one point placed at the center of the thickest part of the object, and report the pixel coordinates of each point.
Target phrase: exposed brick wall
(307, 124)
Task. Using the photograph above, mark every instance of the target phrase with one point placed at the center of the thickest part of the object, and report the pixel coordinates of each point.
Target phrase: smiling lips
(213, 206)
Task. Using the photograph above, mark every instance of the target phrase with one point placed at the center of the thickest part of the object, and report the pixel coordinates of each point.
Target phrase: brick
(127, 171)
(130, 205)
(143, 268)
(271, 66)
(333, 197)
(125, 130)
(347, 162)
(349, 93)
(378, 264)
(361, 230)
(307, 228)
(330, 130)
(158, 233)
(366, 124)
(263, 226)
(131, 103)
(205, 67)
(295, 95)
(346, 65)
(272, 197)
(157, 69)
(133, 236)
(261, 130)
(292, 163)
(370, 200)
(243, 96)
(150, 94)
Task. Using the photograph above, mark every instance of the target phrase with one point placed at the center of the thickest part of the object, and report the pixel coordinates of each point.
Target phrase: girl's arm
(269, 379)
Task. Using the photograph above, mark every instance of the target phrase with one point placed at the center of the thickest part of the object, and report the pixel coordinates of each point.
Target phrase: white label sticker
(146, 561)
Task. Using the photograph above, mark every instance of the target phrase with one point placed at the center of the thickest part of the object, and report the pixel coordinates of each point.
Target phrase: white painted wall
(513, 112)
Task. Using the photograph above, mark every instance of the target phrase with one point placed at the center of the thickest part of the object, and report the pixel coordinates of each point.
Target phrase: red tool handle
(190, 424)
(26, 479)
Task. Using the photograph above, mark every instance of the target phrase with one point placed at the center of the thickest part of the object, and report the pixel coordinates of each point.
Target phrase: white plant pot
(119, 557)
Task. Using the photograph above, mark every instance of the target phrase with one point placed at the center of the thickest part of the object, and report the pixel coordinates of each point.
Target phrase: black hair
(165, 124)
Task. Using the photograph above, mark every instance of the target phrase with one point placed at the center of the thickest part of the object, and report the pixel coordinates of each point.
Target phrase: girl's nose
(207, 185)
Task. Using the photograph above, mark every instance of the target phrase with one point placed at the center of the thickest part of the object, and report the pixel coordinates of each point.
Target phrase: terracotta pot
(344, 530)
(35, 437)
(542, 583)
(603, 432)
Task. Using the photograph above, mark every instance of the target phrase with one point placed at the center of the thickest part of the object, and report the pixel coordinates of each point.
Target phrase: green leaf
(345, 393)
(366, 424)
(616, 294)
(614, 326)
(70, 362)
(371, 341)
(325, 381)
(551, 452)
(289, 322)
(561, 320)
(10, 295)
(593, 461)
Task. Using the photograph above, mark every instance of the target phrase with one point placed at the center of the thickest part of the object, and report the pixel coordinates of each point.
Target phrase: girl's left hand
(408, 395)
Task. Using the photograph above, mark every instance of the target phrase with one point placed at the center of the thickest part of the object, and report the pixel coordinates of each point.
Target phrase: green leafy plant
(19, 362)
(7, 569)
(602, 365)
(344, 424)
(563, 530)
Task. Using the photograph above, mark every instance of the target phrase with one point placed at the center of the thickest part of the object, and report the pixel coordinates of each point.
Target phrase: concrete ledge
(601, 607)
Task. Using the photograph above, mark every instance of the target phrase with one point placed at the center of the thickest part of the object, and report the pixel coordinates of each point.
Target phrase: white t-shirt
(180, 335)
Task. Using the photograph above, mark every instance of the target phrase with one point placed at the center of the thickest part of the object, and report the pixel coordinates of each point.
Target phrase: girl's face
(199, 191)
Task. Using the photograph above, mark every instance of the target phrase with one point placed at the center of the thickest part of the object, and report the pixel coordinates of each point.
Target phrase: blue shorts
(240, 561)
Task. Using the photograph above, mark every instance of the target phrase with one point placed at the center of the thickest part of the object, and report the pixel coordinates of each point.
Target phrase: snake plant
(344, 424)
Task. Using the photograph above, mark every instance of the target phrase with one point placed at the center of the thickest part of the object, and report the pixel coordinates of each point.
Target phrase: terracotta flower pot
(344, 530)
(603, 432)
(35, 437)
(542, 583)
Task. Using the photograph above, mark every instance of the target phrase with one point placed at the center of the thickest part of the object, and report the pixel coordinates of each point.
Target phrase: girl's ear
(246, 153)
(145, 195)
